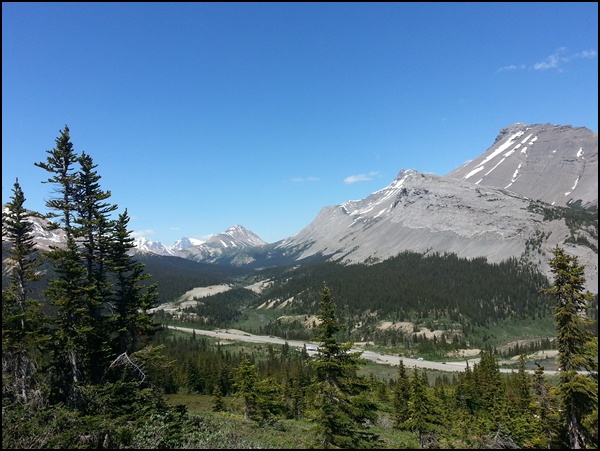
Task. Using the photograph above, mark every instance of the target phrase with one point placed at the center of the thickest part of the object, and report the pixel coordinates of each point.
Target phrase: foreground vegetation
(99, 372)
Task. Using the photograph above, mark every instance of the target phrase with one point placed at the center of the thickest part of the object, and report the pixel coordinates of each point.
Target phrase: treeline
(174, 275)
(582, 222)
(527, 348)
(201, 367)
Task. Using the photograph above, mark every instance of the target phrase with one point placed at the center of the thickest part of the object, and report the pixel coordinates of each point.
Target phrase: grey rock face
(422, 213)
(552, 163)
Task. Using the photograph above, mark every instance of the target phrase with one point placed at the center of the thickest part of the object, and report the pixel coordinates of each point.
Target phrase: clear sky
(201, 116)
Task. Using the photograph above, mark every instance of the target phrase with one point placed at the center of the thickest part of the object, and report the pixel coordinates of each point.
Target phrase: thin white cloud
(550, 62)
(511, 67)
(305, 179)
(360, 177)
(555, 61)
(586, 54)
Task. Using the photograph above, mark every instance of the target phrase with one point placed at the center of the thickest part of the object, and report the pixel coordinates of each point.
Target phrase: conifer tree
(217, 402)
(60, 164)
(73, 324)
(577, 347)
(94, 234)
(71, 291)
(93, 218)
(246, 377)
(23, 323)
(466, 391)
(424, 414)
(132, 299)
(545, 409)
(341, 411)
(488, 382)
(103, 308)
(518, 414)
(523, 388)
(401, 396)
(268, 401)
(296, 382)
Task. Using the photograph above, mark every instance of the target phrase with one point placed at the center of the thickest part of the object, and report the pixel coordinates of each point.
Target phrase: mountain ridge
(236, 237)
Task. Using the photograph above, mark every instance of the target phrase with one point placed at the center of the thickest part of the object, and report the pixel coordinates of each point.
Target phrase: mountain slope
(424, 212)
(553, 163)
(421, 212)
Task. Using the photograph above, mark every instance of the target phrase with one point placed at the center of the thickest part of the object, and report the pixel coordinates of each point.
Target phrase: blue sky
(201, 116)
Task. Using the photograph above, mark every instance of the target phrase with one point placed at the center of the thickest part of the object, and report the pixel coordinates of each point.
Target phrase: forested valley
(88, 362)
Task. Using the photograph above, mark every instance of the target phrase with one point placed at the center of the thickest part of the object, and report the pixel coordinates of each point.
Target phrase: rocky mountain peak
(556, 164)
(510, 130)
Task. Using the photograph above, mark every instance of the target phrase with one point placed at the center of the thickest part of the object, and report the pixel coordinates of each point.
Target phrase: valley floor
(384, 359)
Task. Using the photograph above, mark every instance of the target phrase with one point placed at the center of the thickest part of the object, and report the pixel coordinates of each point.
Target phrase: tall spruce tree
(23, 323)
(93, 218)
(466, 391)
(218, 405)
(71, 291)
(342, 411)
(523, 387)
(490, 390)
(132, 299)
(94, 232)
(577, 347)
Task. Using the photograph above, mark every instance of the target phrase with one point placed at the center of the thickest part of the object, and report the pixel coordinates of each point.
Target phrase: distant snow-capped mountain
(144, 245)
(186, 242)
(234, 240)
(229, 246)
(237, 236)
